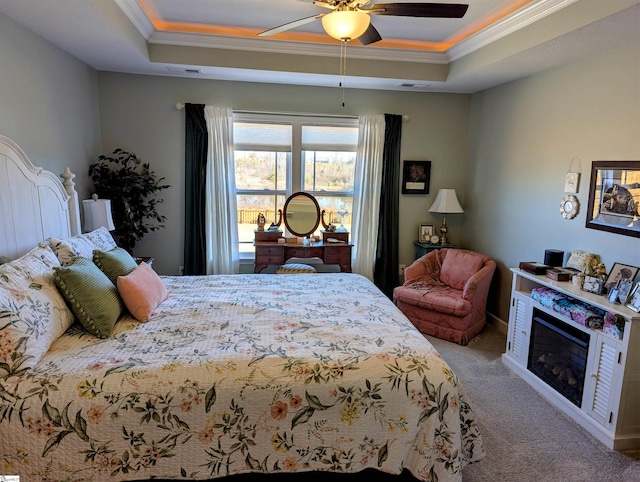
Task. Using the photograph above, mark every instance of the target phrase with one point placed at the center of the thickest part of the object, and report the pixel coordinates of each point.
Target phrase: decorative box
(534, 267)
(559, 274)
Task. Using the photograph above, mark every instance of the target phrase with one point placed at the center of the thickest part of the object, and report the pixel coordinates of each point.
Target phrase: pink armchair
(445, 293)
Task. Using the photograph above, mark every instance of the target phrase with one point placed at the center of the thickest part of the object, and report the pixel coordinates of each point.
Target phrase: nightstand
(145, 259)
(424, 248)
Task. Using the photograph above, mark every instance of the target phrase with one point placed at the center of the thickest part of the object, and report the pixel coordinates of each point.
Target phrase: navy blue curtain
(195, 158)
(385, 275)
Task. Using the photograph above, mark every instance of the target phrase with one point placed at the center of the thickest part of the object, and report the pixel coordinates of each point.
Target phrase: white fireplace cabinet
(610, 408)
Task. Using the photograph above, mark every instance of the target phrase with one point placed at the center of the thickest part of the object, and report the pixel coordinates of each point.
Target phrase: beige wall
(505, 150)
(138, 114)
(48, 102)
(523, 137)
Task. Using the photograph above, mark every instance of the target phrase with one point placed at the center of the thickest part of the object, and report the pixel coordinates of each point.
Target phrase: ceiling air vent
(409, 85)
(184, 70)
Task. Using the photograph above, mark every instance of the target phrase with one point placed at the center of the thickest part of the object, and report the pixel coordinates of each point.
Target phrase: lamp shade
(345, 24)
(446, 202)
(97, 213)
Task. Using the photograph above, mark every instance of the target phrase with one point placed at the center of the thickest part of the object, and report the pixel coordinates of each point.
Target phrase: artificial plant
(132, 188)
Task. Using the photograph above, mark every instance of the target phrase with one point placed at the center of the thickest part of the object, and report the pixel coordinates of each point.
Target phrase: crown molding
(138, 18)
(295, 48)
(514, 22)
(519, 19)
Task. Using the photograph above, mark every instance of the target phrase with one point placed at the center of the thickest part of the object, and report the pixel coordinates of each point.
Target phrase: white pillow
(33, 314)
(82, 245)
(101, 239)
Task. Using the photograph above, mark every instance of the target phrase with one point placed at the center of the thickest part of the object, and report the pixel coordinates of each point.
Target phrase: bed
(230, 374)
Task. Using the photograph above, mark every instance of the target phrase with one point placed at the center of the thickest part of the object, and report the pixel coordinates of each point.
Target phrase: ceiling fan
(350, 19)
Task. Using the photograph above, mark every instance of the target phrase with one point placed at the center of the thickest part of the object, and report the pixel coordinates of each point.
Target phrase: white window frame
(295, 164)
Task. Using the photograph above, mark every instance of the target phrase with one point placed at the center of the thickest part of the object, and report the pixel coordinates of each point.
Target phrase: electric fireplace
(558, 355)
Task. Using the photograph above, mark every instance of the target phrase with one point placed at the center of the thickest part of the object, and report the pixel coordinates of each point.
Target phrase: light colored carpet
(526, 438)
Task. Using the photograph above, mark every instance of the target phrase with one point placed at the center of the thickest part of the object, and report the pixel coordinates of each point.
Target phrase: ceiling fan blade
(440, 10)
(370, 36)
(290, 25)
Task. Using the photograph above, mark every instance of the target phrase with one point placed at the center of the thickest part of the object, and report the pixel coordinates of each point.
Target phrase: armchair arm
(427, 264)
(413, 271)
(478, 285)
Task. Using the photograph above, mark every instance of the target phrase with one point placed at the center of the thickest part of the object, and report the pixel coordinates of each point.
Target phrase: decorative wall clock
(569, 207)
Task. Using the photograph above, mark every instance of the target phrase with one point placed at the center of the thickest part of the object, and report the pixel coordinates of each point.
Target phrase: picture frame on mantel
(416, 176)
(614, 197)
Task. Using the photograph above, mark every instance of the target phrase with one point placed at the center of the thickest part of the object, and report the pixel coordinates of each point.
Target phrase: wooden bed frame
(34, 203)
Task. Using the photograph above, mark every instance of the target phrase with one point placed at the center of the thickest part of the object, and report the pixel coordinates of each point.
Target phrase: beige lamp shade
(97, 213)
(345, 24)
(446, 202)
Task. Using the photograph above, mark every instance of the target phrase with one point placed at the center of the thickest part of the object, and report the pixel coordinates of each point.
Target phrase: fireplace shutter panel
(522, 322)
(604, 375)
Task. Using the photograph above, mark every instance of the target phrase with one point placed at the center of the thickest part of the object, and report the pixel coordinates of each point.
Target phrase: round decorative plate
(569, 207)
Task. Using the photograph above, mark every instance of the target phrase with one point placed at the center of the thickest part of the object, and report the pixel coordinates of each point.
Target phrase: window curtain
(195, 157)
(366, 193)
(386, 262)
(221, 207)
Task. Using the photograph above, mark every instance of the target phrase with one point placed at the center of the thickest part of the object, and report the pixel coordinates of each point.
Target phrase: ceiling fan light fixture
(345, 24)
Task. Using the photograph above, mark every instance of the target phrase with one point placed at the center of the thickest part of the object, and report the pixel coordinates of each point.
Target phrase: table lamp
(97, 213)
(446, 203)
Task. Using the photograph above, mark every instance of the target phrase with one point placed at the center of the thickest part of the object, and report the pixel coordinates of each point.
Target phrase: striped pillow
(92, 297)
(114, 263)
(294, 268)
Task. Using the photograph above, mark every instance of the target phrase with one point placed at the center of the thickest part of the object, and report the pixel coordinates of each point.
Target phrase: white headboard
(34, 203)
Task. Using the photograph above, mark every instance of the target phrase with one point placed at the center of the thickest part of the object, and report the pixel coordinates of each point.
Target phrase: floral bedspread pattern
(243, 373)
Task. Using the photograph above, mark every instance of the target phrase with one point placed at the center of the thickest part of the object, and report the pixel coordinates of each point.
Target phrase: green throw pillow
(90, 295)
(114, 263)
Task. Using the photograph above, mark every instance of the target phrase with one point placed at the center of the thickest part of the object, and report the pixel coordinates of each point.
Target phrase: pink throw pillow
(458, 266)
(142, 291)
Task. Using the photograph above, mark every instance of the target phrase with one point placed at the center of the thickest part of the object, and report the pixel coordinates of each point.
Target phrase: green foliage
(132, 188)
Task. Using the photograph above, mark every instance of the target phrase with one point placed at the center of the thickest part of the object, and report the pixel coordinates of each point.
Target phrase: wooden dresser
(273, 253)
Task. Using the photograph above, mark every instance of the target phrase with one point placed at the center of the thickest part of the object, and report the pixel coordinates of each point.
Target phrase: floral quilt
(242, 373)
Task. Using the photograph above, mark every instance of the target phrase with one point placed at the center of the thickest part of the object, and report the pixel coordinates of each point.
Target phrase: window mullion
(297, 168)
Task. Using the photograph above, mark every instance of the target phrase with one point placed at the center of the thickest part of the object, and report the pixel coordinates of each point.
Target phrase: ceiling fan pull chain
(343, 67)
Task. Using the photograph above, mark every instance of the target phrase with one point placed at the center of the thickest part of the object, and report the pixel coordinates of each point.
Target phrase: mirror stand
(275, 226)
(330, 228)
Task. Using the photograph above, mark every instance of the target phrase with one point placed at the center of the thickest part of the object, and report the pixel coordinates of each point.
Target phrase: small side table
(424, 248)
(145, 259)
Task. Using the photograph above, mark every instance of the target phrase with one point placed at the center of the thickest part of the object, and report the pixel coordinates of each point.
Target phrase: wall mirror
(301, 214)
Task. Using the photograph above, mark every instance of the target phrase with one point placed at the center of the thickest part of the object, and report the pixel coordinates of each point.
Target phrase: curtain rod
(405, 117)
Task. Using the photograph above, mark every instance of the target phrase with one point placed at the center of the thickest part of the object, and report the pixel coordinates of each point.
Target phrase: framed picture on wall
(416, 176)
(614, 197)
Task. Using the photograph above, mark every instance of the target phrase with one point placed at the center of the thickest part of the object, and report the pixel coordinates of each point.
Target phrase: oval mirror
(301, 214)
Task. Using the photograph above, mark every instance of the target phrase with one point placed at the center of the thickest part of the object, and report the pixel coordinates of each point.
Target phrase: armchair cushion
(458, 266)
(442, 299)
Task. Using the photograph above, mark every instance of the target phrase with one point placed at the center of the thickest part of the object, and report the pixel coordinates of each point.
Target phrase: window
(277, 155)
